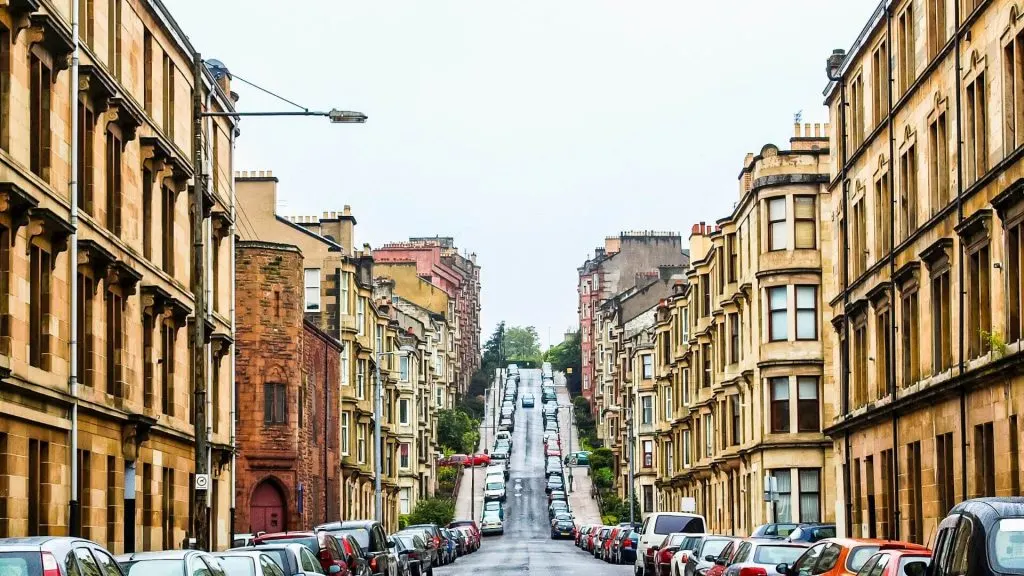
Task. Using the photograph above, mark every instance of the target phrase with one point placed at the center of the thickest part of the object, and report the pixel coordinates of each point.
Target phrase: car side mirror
(709, 558)
(719, 562)
(334, 569)
(782, 568)
(391, 544)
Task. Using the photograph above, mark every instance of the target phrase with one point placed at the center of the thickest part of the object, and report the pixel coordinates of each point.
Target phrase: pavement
(583, 506)
(526, 545)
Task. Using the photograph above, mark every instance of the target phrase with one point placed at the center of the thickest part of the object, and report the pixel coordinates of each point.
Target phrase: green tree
(452, 426)
(438, 511)
(601, 458)
(522, 342)
(603, 478)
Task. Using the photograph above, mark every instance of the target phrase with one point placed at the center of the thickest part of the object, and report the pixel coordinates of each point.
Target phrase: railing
(458, 482)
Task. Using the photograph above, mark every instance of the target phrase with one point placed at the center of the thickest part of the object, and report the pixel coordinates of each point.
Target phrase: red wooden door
(266, 509)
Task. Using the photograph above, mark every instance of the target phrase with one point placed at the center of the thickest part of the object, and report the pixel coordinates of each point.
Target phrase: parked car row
(563, 523)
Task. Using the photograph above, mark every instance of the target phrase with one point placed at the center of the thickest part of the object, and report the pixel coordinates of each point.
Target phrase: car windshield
(492, 505)
(495, 485)
(669, 523)
(491, 516)
(564, 517)
(713, 548)
(155, 567)
(362, 535)
(241, 565)
(1006, 545)
(774, 555)
(308, 541)
(818, 533)
(690, 542)
(858, 556)
(21, 563)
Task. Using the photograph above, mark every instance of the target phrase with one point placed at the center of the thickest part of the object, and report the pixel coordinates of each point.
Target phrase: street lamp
(378, 450)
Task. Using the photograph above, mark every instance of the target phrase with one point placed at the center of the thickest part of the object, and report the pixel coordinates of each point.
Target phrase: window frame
(275, 404)
(773, 311)
(779, 409)
(776, 222)
(810, 221)
(803, 404)
(812, 311)
(311, 280)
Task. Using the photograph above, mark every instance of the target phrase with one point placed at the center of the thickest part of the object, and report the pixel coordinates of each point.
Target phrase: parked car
(556, 495)
(447, 546)
(292, 558)
(372, 541)
(494, 506)
(581, 458)
(253, 563)
(496, 467)
(724, 558)
(326, 547)
(890, 561)
(491, 523)
(812, 533)
(663, 554)
(606, 544)
(581, 531)
(149, 563)
(552, 450)
(432, 557)
(563, 526)
(557, 507)
(626, 550)
(555, 482)
(358, 563)
(703, 556)
(528, 400)
(432, 537)
(599, 539)
(506, 423)
(455, 460)
(469, 524)
(838, 556)
(452, 541)
(401, 552)
(681, 557)
(239, 540)
(482, 459)
(774, 530)
(981, 536)
(494, 487)
(416, 553)
(49, 555)
(759, 556)
(656, 527)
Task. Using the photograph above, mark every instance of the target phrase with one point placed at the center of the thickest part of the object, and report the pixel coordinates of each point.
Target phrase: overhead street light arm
(336, 116)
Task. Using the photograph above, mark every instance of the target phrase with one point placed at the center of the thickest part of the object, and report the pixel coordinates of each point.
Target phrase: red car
(481, 459)
(471, 524)
(897, 560)
(552, 451)
(606, 544)
(455, 460)
(325, 546)
(724, 559)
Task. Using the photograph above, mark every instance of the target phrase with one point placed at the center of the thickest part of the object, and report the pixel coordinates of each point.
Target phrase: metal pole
(200, 520)
(75, 514)
(378, 393)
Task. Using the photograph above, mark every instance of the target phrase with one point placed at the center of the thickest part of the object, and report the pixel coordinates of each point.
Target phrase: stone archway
(267, 508)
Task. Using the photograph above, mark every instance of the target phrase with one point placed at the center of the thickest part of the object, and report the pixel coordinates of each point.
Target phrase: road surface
(526, 546)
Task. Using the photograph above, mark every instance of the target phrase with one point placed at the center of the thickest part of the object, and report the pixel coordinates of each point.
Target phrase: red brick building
(287, 373)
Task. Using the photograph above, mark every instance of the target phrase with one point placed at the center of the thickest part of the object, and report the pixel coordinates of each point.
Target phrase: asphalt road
(526, 546)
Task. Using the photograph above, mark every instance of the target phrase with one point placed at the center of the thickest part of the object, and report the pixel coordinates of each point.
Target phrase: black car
(372, 540)
(811, 532)
(563, 526)
(433, 554)
(432, 534)
(416, 553)
(980, 537)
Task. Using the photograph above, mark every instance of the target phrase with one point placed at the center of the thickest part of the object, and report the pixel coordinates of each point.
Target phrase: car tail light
(753, 571)
(50, 567)
(373, 563)
(627, 543)
(651, 551)
(437, 541)
(684, 558)
(666, 556)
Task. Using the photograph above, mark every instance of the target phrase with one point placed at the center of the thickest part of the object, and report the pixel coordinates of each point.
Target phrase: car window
(879, 567)
(269, 567)
(108, 566)
(309, 562)
(941, 550)
(669, 523)
(806, 562)
(828, 559)
(775, 555)
(858, 556)
(726, 552)
(199, 568)
(866, 568)
(743, 553)
(240, 565)
(86, 563)
(961, 547)
(712, 548)
(214, 565)
(643, 528)
(153, 568)
(918, 566)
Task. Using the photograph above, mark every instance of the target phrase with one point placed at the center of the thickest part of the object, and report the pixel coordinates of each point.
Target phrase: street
(526, 544)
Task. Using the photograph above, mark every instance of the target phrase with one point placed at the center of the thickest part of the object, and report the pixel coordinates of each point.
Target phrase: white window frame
(311, 286)
(361, 445)
(687, 462)
(405, 501)
(686, 325)
(439, 397)
(345, 439)
(670, 458)
(345, 365)
(408, 457)
(668, 403)
(646, 410)
(361, 316)
(360, 379)
(404, 366)
(686, 386)
(647, 362)
(343, 304)
(408, 406)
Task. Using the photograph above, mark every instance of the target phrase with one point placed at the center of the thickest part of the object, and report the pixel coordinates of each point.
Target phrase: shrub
(609, 519)
(403, 521)
(438, 511)
(601, 458)
(603, 478)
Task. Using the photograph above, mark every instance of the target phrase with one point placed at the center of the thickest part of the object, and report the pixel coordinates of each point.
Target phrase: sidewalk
(464, 506)
(583, 507)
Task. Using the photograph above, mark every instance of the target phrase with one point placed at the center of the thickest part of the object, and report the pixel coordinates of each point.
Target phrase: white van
(655, 528)
(494, 487)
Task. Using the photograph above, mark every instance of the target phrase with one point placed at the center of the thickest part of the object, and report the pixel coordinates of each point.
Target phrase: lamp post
(378, 455)
(199, 518)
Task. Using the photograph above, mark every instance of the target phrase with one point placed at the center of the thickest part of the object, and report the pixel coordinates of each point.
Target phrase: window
(115, 193)
(85, 487)
(670, 459)
(360, 315)
(345, 442)
(40, 300)
(439, 397)
(944, 454)
(778, 318)
(857, 503)
(403, 411)
(942, 356)
(168, 93)
(784, 505)
(808, 410)
(167, 510)
(915, 518)
(705, 291)
(908, 192)
(686, 386)
(5, 87)
(114, 42)
(275, 410)
(976, 129)
(112, 485)
(860, 365)
(648, 366)
(668, 403)
(167, 369)
(360, 379)
(734, 338)
(167, 224)
(805, 217)
(345, 367)
(147, 74)
(777, 223)
(909, 335)
(361, 444)
(883, 351)
(734, 410)
(883, 219)
(403, 455)
(301, 407)
(938, 163)
(859, 259)
(40, 103)
(115, 344)
(880, 83)
(312, 293)
(1013, 104)
(887, 511)
(810, 495)
(403, 368)
(709, 435)
(404, 497)
(379, 339)
(686, 448)
(705, 354)
(779, 404)
(86, 341)
(733, 258)
(984, 461)
(936, 26)
(648, 453)
(647, 410)
(979, 294)
(857, 115)
(806, 313)
(5, 287)
(86, 138)
(685, 325)
(906, 47)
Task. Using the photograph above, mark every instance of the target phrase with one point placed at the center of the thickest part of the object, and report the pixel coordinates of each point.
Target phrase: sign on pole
(202, 482)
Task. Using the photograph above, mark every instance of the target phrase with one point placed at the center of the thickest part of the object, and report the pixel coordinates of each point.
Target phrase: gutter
(894, 509)
(960, 265)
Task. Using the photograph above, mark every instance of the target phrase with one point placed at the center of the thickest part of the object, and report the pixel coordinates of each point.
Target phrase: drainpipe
(960, 265)
(327, 412)
(231, 378)
(75, 514)
(894, 488)
(207, 356)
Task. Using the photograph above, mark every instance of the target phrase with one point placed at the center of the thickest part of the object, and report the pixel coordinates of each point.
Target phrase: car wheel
(638, 571)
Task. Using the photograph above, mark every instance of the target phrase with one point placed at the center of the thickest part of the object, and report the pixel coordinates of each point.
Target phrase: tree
(438, 511)
(522, 343)
(567, 357)
(452, 426)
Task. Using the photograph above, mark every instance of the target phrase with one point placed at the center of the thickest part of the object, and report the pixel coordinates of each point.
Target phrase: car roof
(159, 555)
(851, 542)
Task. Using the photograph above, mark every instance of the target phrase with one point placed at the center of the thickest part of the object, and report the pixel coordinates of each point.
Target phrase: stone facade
(926, 194)
(133, 273)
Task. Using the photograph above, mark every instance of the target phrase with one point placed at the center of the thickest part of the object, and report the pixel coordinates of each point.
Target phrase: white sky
(527, 130)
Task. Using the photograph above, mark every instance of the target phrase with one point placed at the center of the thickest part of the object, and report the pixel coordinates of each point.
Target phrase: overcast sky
(527, 130)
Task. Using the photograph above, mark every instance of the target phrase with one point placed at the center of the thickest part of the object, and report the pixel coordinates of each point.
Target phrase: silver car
(764, 553)
(169, 563)
(292, 557)
(250, 563)
(703, 558)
